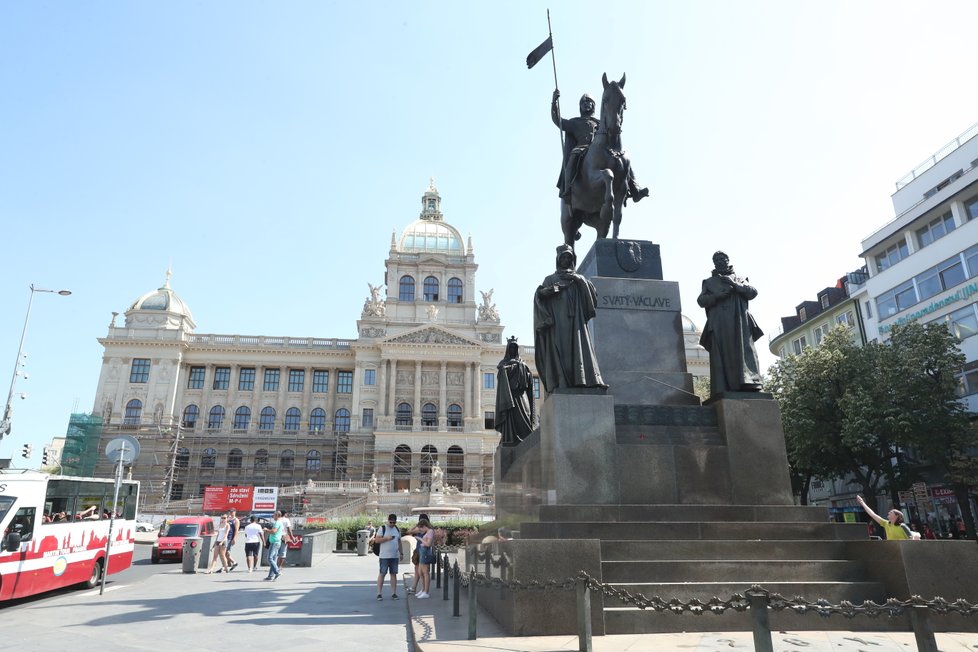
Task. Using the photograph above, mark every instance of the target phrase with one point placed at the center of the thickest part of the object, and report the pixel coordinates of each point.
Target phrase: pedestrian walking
(220, 547)
(288, 537)
(275, 532)
(233, 526)
(254, 537)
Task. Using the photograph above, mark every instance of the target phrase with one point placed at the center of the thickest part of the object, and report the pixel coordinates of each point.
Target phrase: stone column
(478, 389)
(469, 392)
(393, 393)
(443, 395)
(331, 397)
(382, 389)
(355, 397)
(416, 419)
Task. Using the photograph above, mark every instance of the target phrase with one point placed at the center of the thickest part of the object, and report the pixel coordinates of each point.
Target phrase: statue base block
(577, 448)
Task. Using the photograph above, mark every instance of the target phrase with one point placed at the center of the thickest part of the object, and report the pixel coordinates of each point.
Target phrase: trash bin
(191, 553)
(362, 537)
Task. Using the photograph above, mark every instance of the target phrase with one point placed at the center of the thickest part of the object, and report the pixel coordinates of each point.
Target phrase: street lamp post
(7, 412)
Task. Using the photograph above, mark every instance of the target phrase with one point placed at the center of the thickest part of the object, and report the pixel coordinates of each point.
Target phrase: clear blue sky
(267, 151)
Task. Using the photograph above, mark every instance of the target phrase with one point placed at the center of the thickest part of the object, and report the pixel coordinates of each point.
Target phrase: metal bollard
(923, 629)
(473, 606)
(447, 573)
(583, 616)
(762, 628)
(438, 571)
(456, 588)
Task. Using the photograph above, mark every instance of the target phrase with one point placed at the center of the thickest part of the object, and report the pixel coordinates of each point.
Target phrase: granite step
(695, 530)
(750, 571)
(655, 513)
(707, 549)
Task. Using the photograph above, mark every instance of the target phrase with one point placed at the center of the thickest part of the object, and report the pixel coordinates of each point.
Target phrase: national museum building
(416, 387)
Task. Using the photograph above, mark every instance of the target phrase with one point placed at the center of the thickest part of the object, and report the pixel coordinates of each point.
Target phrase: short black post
(457, 587)
(923, 629)
(438, 572)
(583, 616)
(762, 627)
(447, 573)
(473, 606)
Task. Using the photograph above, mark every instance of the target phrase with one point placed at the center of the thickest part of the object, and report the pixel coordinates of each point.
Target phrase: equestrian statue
(596, 175)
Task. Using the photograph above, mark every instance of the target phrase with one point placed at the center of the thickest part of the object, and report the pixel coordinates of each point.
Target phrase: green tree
(878, 411)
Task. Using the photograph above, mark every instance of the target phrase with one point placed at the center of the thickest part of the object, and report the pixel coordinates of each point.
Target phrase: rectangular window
(297, 380)
(344, 382)
(963, 323)
(270, 383)
(971, 207)
(892, 255)
(819, 334)
(369, 376)
(797, 346)
(846, 318)
(490, 420)
(246, 379)
(222, 377)
(802, 314)
(367, 420)
(971, 260)
(935, 230)
(196, 380)
(176, 491)
(824, 300)
(899, 298)
(320, 381)
(488, 380)
(139, 373)
(869, 309)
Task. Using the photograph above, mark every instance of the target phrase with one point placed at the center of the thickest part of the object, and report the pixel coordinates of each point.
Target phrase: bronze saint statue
(597, 175)
(562, 306)
(515, 407)
(730, 330)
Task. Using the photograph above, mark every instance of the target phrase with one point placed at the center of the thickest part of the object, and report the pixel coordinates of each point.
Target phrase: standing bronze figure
(515, 407)
(596, 173)
(562, 306)
(730, 330)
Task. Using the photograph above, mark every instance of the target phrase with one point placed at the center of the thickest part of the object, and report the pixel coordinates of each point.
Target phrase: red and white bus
(55, 529)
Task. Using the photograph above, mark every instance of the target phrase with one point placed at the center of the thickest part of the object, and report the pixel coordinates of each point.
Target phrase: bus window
(23, 523)
(5, 504)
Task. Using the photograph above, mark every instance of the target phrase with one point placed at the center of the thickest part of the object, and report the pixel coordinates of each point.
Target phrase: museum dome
(163, 301)
(430, 233)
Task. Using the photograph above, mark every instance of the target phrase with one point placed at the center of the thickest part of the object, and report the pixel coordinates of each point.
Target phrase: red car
(169, 545)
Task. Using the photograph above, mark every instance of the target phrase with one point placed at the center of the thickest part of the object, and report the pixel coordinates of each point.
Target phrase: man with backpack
(389, 538)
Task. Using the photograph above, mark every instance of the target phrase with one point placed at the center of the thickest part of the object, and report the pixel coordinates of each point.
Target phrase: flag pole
(553, 59)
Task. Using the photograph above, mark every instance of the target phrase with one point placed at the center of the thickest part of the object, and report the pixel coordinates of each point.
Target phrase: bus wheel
(93, 581)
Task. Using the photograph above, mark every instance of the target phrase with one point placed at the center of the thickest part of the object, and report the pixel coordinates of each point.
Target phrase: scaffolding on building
(81, 449)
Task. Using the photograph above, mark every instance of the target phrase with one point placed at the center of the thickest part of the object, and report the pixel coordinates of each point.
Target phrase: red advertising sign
(219, 499)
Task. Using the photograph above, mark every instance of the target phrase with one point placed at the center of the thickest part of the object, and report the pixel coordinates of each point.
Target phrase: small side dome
(161, 308)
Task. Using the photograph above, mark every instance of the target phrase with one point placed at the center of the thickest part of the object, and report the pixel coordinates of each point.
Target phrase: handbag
(415, 557)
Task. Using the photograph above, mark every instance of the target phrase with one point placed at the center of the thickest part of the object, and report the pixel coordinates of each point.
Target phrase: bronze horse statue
(599, 187)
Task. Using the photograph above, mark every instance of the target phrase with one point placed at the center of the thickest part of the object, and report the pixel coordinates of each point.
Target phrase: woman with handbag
(425, 553)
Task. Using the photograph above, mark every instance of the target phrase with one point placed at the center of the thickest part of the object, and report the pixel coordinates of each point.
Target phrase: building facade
(415, 388)
(812, 320)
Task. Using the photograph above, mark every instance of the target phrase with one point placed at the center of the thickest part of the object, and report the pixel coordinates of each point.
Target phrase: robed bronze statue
(596, 174)
(730, 330)
(562, 307)
(515, 406)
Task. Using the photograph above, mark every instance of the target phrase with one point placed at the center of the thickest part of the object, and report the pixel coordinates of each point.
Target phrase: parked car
(169, 545)
(144, 526)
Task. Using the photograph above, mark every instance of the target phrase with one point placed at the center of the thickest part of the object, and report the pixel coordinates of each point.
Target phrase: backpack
(375, 548)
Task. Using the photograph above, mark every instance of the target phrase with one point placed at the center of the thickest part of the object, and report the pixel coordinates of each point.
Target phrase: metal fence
(757, 600)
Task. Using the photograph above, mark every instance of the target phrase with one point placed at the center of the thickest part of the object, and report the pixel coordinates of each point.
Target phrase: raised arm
(873, 515)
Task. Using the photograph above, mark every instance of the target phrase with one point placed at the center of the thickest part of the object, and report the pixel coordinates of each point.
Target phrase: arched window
(406, 290)
(454, 290)
(261, 459)
(402, 460)
(402, 419)
(292, 419)
(455, 473)
(216, 418)
(234, 458)
(431, 289)
(183, 458)
(454, 416)
(190, 414)
(341, 422)
(134, 412)
(209, 459)
(242, 416)
(428, 456)
(317, 420)
(266, 421)
(287, 460)
(429, 415)
(314, 461)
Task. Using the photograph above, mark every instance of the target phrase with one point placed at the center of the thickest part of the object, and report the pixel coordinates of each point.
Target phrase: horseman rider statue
(580, 132)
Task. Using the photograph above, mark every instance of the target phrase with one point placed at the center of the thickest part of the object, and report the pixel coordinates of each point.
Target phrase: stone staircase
(702, 551)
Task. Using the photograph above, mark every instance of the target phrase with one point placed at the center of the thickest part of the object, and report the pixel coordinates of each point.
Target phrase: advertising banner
(264, 500)
(221, 499)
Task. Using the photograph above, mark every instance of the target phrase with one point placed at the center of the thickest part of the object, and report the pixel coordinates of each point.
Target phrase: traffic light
(46, 457)
(28, 451)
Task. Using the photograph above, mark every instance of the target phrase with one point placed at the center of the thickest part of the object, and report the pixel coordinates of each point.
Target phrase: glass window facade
(937, 229)
(297, 380)
(196, 378)
(317, 420)
(341, 422)
(292, 416)
(190, 414)
(215, 419)
(271, 380)
(266, 420)
(454, 290)
(344, 382)
(431, 289)
(369, 376)
(134, 412)
(246, 379)
(222, 377)
(320, 381)
(406, 289)
(242, 417)
(488, 380)
(367, 418)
